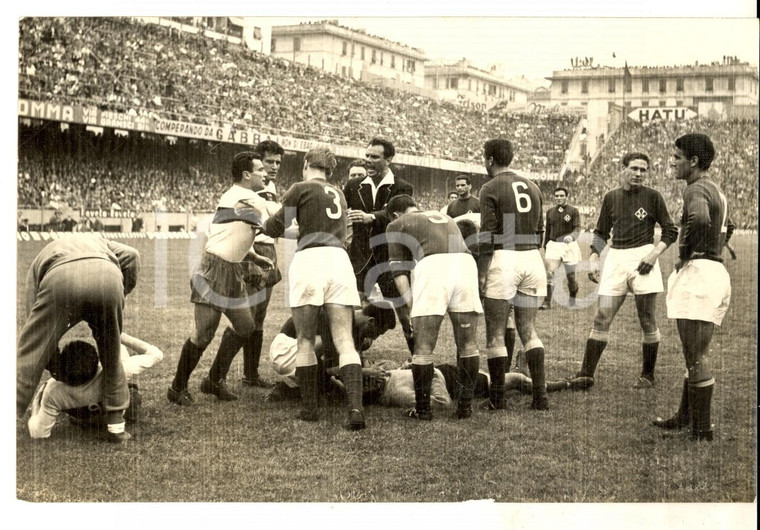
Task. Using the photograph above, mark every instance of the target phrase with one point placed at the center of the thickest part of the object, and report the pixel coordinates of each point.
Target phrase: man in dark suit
(366, 199)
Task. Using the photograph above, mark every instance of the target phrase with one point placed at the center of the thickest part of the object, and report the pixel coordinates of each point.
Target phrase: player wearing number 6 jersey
(699, 289)
(321, 275)
(444, 279)
(510, 268)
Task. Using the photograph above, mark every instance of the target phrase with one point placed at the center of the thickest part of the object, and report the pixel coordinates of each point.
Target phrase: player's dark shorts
(218, 283)
(255, 277)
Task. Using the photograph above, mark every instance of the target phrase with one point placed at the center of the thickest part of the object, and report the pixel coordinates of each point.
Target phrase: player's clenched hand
(568, 239)
(263, 262)
(593, 265)
(647, 263)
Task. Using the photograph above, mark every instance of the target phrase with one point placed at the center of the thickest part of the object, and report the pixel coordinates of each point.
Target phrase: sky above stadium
(535, 47)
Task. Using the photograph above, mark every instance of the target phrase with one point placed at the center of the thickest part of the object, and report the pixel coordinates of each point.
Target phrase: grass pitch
(595, 446)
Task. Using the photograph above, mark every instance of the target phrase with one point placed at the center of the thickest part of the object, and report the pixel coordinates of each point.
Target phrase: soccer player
(321, 276)
(510, 268)
(631, 212)
(465, 202)
(366, 201)
(259, 283)
(217, 284)
(699, 289)
(84, 277)
(563, 225)
(444, 280)
(77, 384)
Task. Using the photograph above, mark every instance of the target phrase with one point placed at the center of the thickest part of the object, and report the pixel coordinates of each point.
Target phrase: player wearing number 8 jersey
(321, 275)
(444, 279)
(510, 268)
(699, 289)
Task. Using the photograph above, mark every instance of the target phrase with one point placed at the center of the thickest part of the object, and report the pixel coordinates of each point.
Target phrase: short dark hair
(322, 158)
(467, 228)
(358, 162)
(269, 146)
(466, 178)
(501, 151)
(562, 188)
(399, 204)
(699, 145)
(388, 150)
(75, 364)
(636, 155)
(243, 162)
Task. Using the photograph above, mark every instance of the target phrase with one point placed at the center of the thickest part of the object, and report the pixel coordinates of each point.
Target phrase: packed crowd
(734, 169)
(142, 69)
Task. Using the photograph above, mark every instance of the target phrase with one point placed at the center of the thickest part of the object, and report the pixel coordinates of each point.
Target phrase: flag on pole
(627, 79)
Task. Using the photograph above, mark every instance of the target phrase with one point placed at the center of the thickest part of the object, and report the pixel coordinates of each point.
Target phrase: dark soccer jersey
(415, 235)
(631, 217)
(511, 213)
(459, 207)
(320, 210)
(562, 221)
(704, 221)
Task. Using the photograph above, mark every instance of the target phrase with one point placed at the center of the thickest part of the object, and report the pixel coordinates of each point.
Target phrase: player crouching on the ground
(321, 276)
(76, 385)
(444, 279)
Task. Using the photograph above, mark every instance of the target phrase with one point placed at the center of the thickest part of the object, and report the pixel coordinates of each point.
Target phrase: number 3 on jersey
(522, 200)
(336, 201)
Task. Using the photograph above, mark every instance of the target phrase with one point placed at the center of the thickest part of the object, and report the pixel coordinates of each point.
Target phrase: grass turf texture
(595, 446)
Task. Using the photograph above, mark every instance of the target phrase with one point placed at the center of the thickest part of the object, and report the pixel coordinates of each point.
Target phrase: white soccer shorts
(322, 275)
(443, 283)
(568, 253)
(619, 274)
(701, 290)
(511, 271)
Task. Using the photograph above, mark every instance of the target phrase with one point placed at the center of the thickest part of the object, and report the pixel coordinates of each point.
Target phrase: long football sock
(649, 359)
(252, 355)
(496, 371)
(351, 376)
(535, 358)
(306, 376)
(468, 373)
(228, 348)
(572, 284)
(422, 374)
(594, 349)
(681, 418)
(700, 399)
(188, 360)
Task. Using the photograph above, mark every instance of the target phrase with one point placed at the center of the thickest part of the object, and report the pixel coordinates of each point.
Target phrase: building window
(362, 53)
(679, 84)
(584, 86)
(469, 84)
(343, 71)
(353, 50)
(732, 83)
(274, 45)
(708, 84)
(584, 103)
(345, 49)
(645, 104)
(645, 85)
(611, 86)
(297, 44)
(382, 58)
(374, 56)
(662, 103)
(663, 85)
(564, 86)
(679, 103)
(393, 61)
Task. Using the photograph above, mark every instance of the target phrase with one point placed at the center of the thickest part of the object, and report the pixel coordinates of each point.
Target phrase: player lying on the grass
(76, 385)
(630, 213)
(699, 289)
(83, 277)
(321, 276)
(284, 347)
(217, 284)
(444, 279)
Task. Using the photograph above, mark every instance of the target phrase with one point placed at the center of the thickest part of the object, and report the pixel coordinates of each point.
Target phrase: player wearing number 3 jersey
(510, 268)
(321, 275)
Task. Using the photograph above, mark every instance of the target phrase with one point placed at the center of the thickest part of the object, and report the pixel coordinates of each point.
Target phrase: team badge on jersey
(641, 213)
(567, 218)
